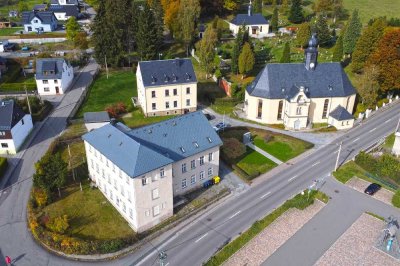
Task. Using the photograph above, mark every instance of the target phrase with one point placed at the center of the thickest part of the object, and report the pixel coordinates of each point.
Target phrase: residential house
(5, 24)
(15, 126)
(95, 120)
(299, 94)
(141, 170)
(40, 7)
(166, 87)
(65, 2)
(53, 75)
(256, 24)
(64, 12)
(39, 21)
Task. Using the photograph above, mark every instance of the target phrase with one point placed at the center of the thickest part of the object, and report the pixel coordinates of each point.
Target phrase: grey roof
(69, 10)
(254, 19)
(44, 16)
(10, 114)
(40, 7)
(142, 150)
(49, 64)
(279, 81)
(340, 113)
(96, 117)
(167, 72)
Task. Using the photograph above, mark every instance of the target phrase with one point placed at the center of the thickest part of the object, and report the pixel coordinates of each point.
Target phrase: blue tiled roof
(49, 64)
(340, 113)
(279, 81)
(44, 16)
(148, 148)
(167, 72)
(69, 10)
(254, 19)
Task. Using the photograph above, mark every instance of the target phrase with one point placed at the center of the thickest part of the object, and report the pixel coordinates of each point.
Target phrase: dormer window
(166, 78)
(174, 78)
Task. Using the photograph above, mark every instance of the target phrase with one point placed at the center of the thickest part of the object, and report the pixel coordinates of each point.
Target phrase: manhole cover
(209, 219)
(336, 191)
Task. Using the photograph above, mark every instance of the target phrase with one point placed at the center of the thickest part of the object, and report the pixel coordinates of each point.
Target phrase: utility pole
(162, 256)
(105, 60)
(27, 99)
(338, 155)
(70, 164)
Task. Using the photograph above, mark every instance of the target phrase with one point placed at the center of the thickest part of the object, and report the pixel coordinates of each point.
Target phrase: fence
(380, 180)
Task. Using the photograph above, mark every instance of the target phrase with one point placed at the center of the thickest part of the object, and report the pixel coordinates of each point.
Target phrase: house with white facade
(256, 24)
(39, 21)
(53, 75)
(166, 87)
(64, 12)
(300, 94)
(15, 126)
(141, 170)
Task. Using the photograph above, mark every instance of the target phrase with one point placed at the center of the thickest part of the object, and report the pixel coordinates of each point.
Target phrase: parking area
(360, 185)
(356, 246)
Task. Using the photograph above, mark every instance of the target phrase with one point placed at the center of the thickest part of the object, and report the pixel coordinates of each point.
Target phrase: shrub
(396, 199)
(218, 73)
(367, 162)
(233, 148)
(116, 109)
(59, 224)
(3, 166)
(40, 197)
(389, 167)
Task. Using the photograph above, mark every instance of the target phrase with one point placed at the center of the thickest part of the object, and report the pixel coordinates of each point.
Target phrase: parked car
(208, 116)
(25, 48)
(372, 189)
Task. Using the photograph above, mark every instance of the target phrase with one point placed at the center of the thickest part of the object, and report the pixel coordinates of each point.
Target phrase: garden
(14, 80)
(248, 163)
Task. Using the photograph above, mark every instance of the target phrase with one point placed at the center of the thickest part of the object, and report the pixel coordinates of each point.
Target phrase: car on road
(220, 126)
(372, 189)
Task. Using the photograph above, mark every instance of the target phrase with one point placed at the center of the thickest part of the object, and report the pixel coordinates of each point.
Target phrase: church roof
(254, 19)
(279, 81)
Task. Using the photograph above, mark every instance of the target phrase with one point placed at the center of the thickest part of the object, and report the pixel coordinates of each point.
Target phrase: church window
(280, 109)
(325, 111)
(259, 109)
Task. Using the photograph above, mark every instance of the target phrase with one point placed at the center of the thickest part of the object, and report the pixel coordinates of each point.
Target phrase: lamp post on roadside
(338, 156)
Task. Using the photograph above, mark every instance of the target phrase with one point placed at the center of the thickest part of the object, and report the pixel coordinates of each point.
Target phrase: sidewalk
(266, 154)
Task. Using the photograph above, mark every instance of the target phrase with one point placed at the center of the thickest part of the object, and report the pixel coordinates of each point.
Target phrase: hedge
(3, 166)
(396, 199)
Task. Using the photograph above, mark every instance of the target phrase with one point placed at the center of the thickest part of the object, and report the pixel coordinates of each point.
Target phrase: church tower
(311, 53)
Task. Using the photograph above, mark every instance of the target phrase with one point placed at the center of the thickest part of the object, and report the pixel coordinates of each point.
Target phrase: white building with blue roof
(300, 94)
(166, 87)
(53, 76)
(256, 24)
(141, 170)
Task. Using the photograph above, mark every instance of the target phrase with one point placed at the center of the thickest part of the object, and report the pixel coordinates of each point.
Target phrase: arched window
(298, 111)
(300, 99)
(259, 109)
(280, 110)
(325, 111)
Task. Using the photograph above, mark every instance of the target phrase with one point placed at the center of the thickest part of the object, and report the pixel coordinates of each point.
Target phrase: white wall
(62, 84)
(36, 24)
(260, 34)
(62, 16)
(10, 149)
(92, 126)
(19, 133)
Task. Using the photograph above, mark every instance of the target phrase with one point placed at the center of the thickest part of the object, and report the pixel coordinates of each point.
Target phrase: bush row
(3, 166)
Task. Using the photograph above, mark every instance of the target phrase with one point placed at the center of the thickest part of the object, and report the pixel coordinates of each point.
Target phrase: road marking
(387, 121)
(290, 179)
(315, 164)
(372, 130)
(167, 264)
(355, 140)
(235, 214)
(335, 152)
(266, 194)
(201, 238)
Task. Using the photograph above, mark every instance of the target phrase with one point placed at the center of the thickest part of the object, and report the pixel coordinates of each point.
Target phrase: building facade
(256, 24)
(53, 76)
(166, 87)
(15, 126)
(39, 21)
(298, 95)
(141, 170)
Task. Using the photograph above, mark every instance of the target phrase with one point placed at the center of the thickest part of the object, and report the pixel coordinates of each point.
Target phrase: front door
(297, 124)
(57, 90)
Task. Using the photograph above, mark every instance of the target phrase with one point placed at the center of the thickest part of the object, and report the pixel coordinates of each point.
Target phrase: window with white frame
(193, 164)
(210, 157)
(113, 168)
(187, 102)
(122, 190)
(145, 181)
(166, 105)
(127, 179)
(107, 162)
(130, 213)
(115, 184)
(162, 172)
(156, 210)
(210, 171)
(155, 194)
(46, 89)
(201, 160)
(188, 90)
(117, 200)
(184, 168)
(153, 106)
(184, 183)
(45, 81)
(193, 179)
(201, 175)
(147, 213)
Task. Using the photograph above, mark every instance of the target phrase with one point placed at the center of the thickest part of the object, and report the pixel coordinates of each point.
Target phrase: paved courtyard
(360, 185)
(356, 246)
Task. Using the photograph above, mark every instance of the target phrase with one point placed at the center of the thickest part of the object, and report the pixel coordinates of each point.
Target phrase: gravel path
(360, 185)
(356, 246)
(274, 236)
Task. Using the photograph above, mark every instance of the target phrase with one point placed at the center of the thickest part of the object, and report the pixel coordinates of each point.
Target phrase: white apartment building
(141, 170)
(166, 87)
(53, 76)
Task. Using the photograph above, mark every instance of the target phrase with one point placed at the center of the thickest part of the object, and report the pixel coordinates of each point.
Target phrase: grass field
(254, 163)
(372, 8)
(9, 31)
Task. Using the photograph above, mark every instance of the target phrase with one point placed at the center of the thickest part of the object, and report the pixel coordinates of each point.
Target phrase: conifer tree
(257, 6)
(353, 31)
(274, 20)
(303, 35)
(206, 49)
(286, 54)
(338, 50)
(146, 34)
(296, 12)
(101, 36)
(322, 30)
(246, 60)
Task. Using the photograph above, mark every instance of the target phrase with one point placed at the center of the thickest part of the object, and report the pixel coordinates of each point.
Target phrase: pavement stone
(360, 185)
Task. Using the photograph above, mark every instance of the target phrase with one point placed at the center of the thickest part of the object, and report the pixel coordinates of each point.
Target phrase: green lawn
(254, 163)
(119, 87)
(389, 142)
(137, 119)
(372, 8)
(9, 31)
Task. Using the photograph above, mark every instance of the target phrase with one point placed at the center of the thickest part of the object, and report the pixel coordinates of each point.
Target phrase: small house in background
(40, 7)
(39, 21)
(53, 75)
(15, 126)
(256, 24)
(65, 2)
(64, 12)
(94, 120)
(202, 29)
(5, 24)
(13, 13)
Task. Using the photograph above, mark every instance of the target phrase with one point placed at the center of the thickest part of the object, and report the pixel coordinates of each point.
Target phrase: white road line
(203, 236)
(387, 121)
(335, 152)
(266, 194)
(372, 130)
(355, 140)
(167, 264)
(235, 214)
(315, 164)
(290, 179)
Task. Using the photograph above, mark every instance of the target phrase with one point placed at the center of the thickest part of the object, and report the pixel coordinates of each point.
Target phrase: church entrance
(297, 124)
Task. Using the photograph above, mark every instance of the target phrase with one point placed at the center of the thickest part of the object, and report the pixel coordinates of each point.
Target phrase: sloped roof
(10, 114)
(340, 113)
(142, 150)
(49, 64)
(69, 10)
(279, 81)
(39, 7)
(44, 16)
(167, 72)
(96, 117)
(254, 19)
